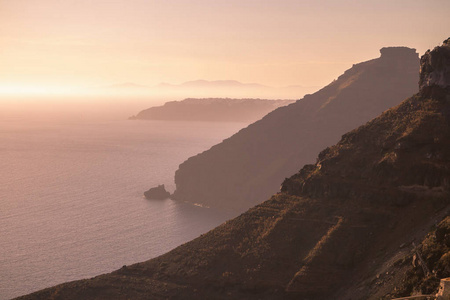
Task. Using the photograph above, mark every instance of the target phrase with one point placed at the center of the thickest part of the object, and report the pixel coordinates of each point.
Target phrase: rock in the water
(158, 193)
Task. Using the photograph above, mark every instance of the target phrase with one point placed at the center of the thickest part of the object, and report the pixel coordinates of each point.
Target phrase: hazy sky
(63, 43)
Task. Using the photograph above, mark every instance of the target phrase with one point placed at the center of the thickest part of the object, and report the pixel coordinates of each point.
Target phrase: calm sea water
(71, 202)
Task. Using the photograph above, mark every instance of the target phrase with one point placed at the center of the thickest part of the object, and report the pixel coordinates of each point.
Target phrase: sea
(71, 195)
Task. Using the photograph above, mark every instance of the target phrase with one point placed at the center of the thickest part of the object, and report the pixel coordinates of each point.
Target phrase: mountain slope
(334, 229)
(247, 168)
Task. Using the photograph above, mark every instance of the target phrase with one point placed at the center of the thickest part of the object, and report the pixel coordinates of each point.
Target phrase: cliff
(435, 67)
(342, 228)
(247, 168)
(212, 110)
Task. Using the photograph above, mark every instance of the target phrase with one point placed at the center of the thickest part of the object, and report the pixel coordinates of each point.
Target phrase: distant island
(212, 109)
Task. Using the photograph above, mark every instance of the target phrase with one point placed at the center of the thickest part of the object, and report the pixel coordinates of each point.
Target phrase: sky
(62, 46)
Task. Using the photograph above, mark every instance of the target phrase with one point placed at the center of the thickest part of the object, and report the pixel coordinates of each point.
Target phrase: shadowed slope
(247, 168)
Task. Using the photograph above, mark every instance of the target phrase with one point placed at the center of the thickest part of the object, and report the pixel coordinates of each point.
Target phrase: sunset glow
(212, 149)
(28, 90)
(50, 46)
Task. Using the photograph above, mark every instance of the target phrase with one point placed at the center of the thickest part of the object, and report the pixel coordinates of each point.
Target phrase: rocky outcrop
(434, 252)
(157, 193)
(352, 240)
(395, 54)
(212, 110)
(248, 167)
(435, 67)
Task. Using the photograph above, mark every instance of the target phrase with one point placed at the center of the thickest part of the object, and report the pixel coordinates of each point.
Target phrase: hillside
(248, 167)
(212, 110)
(342, 228)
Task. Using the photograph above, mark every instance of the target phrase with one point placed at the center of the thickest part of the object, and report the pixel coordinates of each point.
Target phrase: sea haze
(71, 202)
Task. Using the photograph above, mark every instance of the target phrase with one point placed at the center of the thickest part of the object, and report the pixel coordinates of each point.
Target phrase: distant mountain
(342, 228)
(126, 85)
(214, 84)
(235, 89)
(209, 89)
(248, 167)
(212, 109)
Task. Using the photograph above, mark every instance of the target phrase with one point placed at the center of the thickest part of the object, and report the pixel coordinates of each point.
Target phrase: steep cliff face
(435, 67)
(247, 168)
(342, 228)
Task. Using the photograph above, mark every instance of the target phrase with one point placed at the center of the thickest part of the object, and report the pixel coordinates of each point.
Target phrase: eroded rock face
(435, 67)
